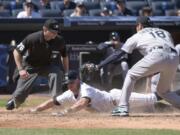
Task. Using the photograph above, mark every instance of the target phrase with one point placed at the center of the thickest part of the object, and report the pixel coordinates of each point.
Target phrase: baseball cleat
(121, 111)
(10, 105)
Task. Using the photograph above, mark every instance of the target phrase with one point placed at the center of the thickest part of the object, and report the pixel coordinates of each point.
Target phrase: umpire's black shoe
(10, 105)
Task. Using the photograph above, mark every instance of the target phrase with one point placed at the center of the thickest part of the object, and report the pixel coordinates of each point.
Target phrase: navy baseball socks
(121, 111)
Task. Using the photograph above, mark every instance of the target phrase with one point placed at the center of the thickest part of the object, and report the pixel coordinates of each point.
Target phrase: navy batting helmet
(114, 36)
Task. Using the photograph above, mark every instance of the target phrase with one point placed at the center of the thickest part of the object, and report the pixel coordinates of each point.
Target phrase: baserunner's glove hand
(60, 114)
(33, 110)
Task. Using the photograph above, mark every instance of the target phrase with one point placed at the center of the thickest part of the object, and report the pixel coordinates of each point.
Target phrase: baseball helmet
(114, 36)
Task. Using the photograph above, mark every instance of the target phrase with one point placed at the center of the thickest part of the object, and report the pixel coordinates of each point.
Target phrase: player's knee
(132, 76)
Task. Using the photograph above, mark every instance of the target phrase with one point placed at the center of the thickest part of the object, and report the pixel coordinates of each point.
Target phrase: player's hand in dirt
(33, 110)
(60, 114)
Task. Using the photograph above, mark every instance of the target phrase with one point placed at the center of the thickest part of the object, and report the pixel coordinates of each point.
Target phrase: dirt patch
(86, 120)
(21, 118)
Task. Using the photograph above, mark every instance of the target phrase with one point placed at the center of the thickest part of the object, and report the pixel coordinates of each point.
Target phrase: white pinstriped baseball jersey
(102, 101)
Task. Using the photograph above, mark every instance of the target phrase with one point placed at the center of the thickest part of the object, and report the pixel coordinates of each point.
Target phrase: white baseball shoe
(121, 111)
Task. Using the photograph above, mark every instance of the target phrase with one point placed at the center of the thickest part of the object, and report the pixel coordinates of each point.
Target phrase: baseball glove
(88, 71)
(90, 67)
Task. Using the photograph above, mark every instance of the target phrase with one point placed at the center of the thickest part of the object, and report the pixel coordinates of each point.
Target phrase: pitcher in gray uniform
(160, 56)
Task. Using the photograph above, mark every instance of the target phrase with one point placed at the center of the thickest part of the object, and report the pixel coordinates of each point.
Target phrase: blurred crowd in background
(77, 8)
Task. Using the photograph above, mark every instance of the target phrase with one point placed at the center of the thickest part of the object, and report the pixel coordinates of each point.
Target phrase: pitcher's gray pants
(157, 61)
(55, 77)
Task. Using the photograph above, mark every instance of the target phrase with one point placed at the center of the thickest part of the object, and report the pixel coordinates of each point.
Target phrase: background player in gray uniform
(160, 56)
(39, 53)
(83, 96)
(118, 67)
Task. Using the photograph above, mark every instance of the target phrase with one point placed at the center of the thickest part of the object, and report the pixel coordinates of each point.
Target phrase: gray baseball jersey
(159, 57)
(148, 38)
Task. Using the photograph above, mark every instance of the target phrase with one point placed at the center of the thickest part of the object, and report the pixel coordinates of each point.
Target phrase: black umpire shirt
(37, 52)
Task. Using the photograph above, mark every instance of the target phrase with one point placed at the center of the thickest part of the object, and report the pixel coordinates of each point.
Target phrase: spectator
(106, 12)
(28, 11)
(119, 66)
(67, 4)
(178, 12)
(146, 11)
(80, 10)
(122, 10)
(1, 7)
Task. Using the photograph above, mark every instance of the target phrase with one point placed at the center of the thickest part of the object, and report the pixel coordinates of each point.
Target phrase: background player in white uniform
(159, 57)
(82, 96)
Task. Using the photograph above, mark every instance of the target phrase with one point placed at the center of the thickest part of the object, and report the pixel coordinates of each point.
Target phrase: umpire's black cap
(145, 21)
(72, 75)
(52, 25)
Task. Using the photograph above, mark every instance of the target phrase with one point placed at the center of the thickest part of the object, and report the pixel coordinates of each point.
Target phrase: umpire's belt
(168, 49)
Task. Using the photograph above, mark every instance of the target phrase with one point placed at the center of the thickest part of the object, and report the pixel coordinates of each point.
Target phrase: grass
(29, 101)
(3, 101)
(87, 132)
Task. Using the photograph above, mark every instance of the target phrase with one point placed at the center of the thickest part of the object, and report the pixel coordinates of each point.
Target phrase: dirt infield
(84, 120)
(21, 118)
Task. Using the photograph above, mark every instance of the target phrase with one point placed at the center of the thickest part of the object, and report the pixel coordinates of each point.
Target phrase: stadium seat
(137, 0)
(15, 12)
(92, 5)
(50, 13)
(158, 13)
(5, 13)
(160, 0)
(170, 12)
(177, 3)
(94, 12)
(7, 4)
(108, 5)
(162, 6)
(135, 6)
(68, 12)
(10, 4)
(55, 4)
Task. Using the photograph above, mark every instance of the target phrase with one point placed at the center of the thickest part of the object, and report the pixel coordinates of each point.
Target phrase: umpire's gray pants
(157, 61)
(54, 74)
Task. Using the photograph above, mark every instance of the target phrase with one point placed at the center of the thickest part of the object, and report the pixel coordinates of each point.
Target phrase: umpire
(39, 53)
